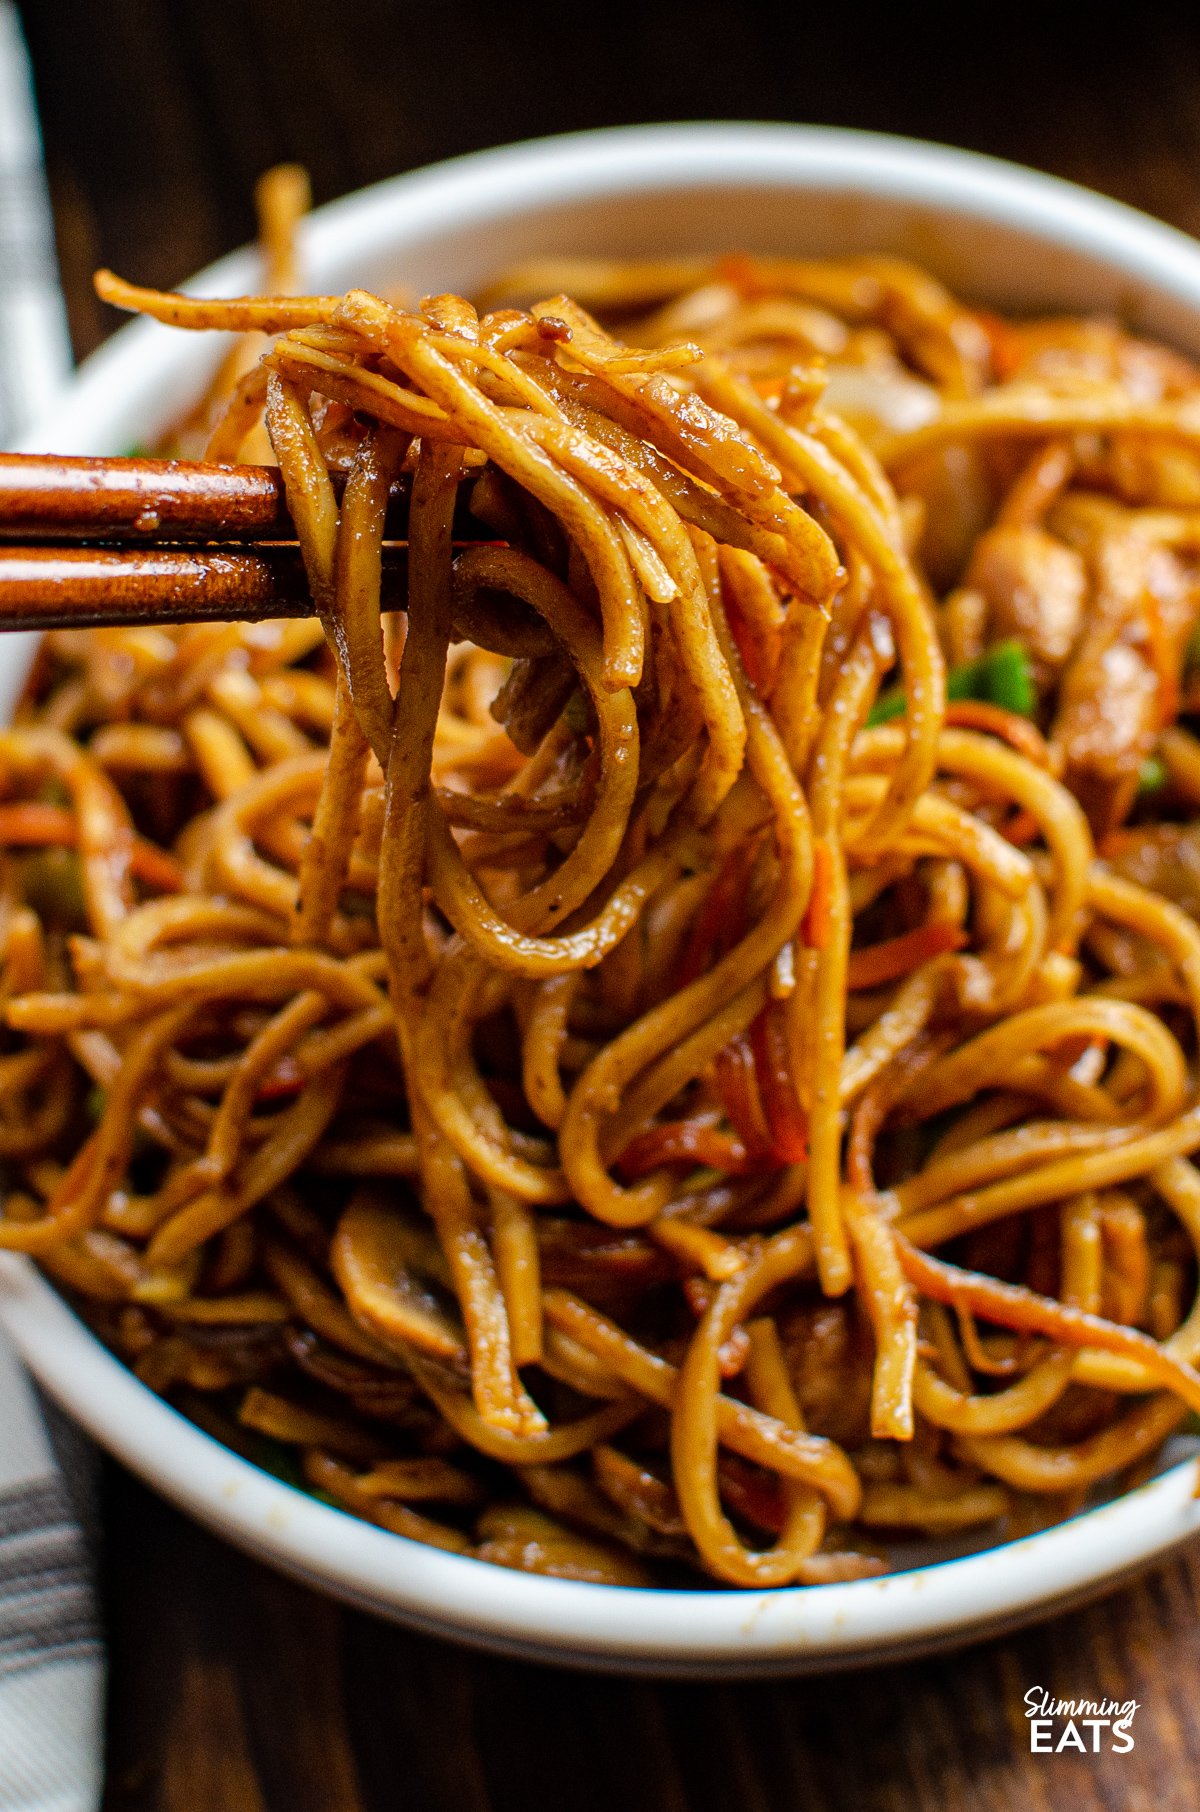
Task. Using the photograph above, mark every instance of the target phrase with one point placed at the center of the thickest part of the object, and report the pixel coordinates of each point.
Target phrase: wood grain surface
(232, 1690)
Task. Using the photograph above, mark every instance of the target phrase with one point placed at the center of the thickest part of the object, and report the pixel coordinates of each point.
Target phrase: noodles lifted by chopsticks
(524, 1056)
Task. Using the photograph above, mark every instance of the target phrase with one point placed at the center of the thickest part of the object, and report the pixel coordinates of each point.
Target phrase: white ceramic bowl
(995, 232)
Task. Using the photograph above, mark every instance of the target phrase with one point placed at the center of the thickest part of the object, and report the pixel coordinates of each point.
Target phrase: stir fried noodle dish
(662, 1048)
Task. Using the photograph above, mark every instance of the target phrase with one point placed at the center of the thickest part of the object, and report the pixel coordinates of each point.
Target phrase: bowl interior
(995, 233)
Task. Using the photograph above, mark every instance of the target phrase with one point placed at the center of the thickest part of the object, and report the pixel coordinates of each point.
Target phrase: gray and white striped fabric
(51, 1657)
(51, 1671)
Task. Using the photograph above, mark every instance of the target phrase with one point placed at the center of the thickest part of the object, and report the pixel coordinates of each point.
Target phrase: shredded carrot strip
(786, 1120)
(1013, 1306)
(1068, 1051)
(285, 1078)
(760, 654)
(717, 919)
(817, 926)
(743, 274)
(155, 867)
(1004, 343)
(735, 1079)
(1018, 732)
(866, 1122)
(1162, 659)
(32, 824)
(1021, 828)
(899, 956)
(752, 1495)
(685, 1142)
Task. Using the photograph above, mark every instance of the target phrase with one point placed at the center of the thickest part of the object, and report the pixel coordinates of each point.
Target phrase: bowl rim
(490, 1605)
(453, 1594)
(143, 357)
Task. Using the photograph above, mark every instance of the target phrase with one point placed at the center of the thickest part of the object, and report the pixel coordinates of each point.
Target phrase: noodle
(676, 1056)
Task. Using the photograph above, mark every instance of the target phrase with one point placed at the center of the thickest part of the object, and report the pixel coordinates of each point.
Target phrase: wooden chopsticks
(54, 497)
(93, 543)
(107, 588)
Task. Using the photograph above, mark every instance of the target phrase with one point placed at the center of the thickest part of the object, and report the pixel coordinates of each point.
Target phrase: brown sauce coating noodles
(610, 1068)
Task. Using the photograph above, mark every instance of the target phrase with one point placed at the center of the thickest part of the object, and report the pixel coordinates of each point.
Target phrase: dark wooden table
(233, 1691)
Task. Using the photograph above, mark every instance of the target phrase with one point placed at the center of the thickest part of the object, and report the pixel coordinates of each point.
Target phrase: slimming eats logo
(1059, 1724)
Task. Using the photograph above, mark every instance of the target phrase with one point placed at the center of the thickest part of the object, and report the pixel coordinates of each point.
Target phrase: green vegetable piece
(887, 706)
(274, 1457)
(575, 714)
(1008, 680)
(1152, 775)
(1002, 677)
(52, 883)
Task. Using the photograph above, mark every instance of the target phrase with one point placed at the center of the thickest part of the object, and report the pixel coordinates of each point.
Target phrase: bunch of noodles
(606, 1066)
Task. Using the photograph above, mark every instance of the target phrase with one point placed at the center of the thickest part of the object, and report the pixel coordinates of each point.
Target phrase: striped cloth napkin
(51, 1659)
